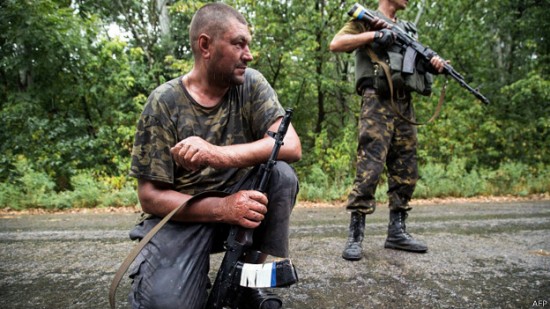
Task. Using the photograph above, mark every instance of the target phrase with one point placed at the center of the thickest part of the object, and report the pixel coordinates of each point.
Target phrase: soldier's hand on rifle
(384, 37)
(194, 153)
(438, 63)
(245, 208)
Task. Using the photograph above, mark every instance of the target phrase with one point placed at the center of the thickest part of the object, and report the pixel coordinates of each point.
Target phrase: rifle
(413, 49)
(233, 272)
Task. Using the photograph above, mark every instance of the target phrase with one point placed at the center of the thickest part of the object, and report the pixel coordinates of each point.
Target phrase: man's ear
(204, 45)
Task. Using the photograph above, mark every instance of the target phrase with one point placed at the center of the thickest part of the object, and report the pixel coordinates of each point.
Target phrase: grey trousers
(172, 269)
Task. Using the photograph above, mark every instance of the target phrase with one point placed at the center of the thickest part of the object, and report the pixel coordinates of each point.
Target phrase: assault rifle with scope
(413, 49)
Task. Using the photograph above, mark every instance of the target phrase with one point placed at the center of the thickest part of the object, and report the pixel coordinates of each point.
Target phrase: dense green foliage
(71, 91)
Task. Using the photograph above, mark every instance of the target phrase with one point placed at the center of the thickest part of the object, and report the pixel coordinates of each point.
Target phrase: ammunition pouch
(380, 84)
(418, 80)
(371, 75)
(420, 83)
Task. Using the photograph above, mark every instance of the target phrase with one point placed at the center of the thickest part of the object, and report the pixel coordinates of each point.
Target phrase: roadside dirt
(484, 253)
(300, 204)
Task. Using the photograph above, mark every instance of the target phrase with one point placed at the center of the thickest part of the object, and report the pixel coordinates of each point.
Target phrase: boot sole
(351, 258)
(409, 249)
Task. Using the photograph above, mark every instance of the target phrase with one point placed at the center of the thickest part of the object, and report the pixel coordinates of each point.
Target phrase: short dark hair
(212, 19)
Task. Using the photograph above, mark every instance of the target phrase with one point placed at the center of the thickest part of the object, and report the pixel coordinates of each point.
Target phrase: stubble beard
(226, 78)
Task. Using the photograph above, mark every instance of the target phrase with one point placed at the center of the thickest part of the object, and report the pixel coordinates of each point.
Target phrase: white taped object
(257, 275)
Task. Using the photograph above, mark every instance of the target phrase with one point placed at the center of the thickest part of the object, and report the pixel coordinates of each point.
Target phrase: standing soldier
(387, 134)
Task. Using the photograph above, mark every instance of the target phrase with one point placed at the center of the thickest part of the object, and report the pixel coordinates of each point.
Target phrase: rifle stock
(414, 48)
(233, 272)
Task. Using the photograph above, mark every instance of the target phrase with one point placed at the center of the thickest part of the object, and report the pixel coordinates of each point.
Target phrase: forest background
(74, 76)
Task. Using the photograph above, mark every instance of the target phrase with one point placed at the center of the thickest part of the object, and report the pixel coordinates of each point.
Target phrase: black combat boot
(354, 250)
(398, 238)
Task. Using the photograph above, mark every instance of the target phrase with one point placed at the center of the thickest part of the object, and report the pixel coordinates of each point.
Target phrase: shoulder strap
(393, 106)
(135, 251)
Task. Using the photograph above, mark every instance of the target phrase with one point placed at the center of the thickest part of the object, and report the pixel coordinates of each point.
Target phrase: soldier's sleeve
(264, 106)
(151, 158)
(353, 26)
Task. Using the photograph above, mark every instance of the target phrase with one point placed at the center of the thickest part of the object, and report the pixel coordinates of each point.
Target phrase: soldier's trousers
(172, 269)
(384, 139)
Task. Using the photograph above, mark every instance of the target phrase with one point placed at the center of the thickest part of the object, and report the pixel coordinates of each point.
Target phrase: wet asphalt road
(481, 255)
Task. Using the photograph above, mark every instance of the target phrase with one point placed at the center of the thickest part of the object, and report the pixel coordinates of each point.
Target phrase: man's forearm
(350, 42)
(159, 201)
(255, 153)
(194, 153)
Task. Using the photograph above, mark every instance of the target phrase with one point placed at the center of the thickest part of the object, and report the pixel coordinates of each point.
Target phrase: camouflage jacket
(171, 115)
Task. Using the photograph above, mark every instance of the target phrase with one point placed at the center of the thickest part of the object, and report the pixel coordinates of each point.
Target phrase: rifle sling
(135, 251)
(393, 106)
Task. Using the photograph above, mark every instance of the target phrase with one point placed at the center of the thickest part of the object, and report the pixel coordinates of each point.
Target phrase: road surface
(481, 255)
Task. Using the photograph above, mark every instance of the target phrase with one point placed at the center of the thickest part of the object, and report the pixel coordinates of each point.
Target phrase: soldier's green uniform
(172, 269)
(385, 138)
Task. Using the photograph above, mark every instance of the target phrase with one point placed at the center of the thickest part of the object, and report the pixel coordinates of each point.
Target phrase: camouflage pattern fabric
(384, 138)
(171, 115)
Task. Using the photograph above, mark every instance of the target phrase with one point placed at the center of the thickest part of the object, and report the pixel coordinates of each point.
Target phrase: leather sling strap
(394, 107)
(135, 251)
